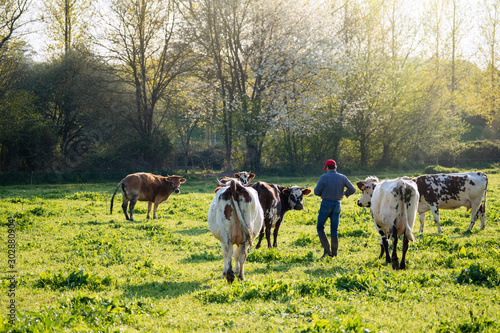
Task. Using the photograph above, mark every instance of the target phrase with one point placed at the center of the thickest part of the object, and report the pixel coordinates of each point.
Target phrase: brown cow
(143, 186)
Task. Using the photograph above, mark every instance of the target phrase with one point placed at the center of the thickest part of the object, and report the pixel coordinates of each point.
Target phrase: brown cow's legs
(131, 208)
(124, 207)
(155, 209)
(149, 209)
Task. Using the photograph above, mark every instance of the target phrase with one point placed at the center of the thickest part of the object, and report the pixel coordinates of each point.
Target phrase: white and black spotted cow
(243, 177)
(276, 200)
(451, 191)
(235, 217)
(393, 206)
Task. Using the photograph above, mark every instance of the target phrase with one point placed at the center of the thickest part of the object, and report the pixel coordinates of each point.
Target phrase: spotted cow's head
(175, 182)
(244, 177)
(295, 196)
(367, 187)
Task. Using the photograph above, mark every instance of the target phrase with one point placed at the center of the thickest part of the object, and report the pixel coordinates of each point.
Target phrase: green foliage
(72, 280)
(431, 169)
(94, 196)
(274, 255)
(479, 274)
(338, 325)
(305, 239)
(472, 324)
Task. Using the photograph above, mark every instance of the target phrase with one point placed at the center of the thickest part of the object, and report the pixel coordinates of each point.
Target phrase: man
(330, 188)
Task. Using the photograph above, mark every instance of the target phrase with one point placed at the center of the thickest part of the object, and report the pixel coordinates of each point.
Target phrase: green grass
(81, 269)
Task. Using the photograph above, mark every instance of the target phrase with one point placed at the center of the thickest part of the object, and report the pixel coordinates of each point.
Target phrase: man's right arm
(319, 187)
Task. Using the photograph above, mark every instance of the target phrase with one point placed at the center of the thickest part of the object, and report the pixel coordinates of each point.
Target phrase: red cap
(329, 162)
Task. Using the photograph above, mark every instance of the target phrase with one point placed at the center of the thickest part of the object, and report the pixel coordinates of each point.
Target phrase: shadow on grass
(326, 271)
(202, 257)
(274, 267)
(161, 290)
(193, 232)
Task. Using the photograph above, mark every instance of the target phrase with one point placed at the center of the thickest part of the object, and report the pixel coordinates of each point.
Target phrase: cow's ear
(237, 175)
(306, 191)
(361, 185)
(252, 175)
(182, 180)
(218, 188)
(286, 191)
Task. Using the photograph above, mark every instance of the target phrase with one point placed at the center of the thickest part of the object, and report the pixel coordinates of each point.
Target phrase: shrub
(72, 280)
(478, 275)
(94, 196)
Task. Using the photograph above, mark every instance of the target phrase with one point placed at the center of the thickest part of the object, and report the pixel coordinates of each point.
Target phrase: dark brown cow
(276, 200)
(146, 187)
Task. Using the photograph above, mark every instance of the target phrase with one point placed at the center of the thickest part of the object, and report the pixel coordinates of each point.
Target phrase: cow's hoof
(395, 264)
(402, 265)
(230, 276)
(241, 277)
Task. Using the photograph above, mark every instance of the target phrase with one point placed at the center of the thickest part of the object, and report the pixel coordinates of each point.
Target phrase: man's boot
(335, 245)
(326, 246)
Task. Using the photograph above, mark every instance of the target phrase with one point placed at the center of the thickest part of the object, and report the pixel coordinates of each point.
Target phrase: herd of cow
(241, 210)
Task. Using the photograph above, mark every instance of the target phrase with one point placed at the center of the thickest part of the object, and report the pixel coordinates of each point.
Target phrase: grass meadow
(80, 269)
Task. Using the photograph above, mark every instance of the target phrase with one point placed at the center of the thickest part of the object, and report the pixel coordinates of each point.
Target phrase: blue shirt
(331, 186)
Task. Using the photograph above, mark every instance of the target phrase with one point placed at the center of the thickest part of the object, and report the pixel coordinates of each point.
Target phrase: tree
(251, 47)
(145, 39)
(73, 93)
(11, 12)
(69, 22)
(484, 88)
(189, 108)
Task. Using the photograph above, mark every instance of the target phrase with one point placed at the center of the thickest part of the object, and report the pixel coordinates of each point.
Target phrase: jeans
(329, 209)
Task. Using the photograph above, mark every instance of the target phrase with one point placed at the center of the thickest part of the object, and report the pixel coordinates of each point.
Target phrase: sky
(34, 34)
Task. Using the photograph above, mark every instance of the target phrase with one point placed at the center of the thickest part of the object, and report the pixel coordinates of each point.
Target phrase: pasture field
(78, 268)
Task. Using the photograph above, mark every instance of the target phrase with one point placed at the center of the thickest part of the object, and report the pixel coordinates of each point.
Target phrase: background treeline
(267, 86)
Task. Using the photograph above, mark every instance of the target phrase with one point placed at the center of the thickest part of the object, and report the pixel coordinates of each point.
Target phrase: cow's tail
(408, 192)
(234, 199)
(113, 197)
(482, 208)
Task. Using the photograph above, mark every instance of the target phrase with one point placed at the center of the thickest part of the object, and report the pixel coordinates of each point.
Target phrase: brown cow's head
(295, 195)
(244, 177)
(175, 182)
(367, 186)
